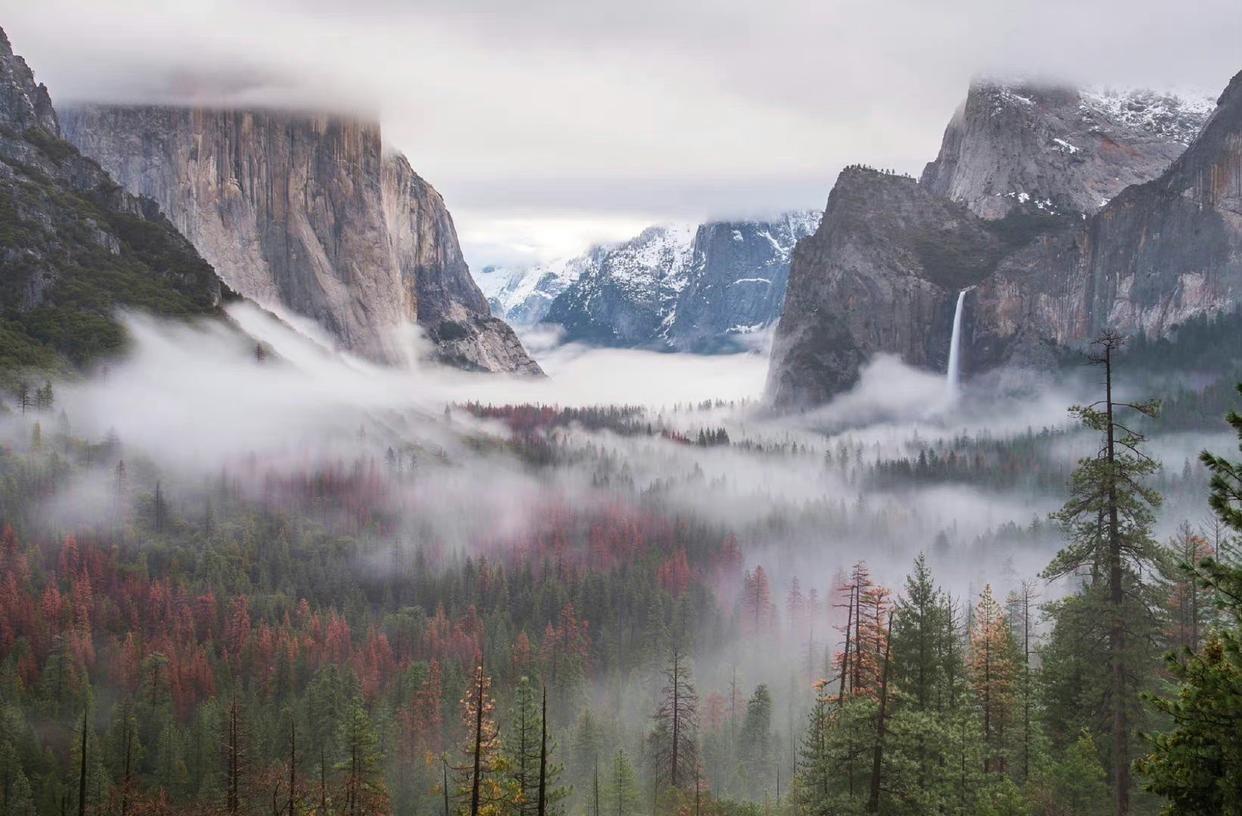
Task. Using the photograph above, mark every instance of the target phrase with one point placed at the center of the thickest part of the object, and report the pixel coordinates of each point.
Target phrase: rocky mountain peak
(1065, 149)
(24, 103)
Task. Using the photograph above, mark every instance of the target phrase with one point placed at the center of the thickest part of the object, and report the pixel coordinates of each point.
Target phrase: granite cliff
(309, 214)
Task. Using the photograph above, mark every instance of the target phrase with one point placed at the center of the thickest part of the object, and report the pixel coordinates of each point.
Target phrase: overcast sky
(549, 124)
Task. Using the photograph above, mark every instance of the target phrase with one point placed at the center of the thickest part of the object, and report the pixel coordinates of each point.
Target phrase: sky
(552, 124)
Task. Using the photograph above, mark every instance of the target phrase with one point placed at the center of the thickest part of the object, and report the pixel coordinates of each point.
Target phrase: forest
(654, 629)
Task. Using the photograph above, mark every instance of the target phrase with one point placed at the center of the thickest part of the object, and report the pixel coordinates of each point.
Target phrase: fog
(803, 495)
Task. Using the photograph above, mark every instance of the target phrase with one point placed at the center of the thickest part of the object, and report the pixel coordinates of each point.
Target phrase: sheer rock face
(307, 213)
(881, 274)
(1063, 149)
(736, 282)
(883, 271)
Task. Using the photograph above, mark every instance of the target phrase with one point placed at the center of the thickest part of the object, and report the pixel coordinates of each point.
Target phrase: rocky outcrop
(74, 247)
(1063, 149)
(704, 289)
(310, 214)
(883, 271)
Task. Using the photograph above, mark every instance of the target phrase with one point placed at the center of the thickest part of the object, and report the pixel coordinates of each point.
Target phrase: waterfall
(955, 344)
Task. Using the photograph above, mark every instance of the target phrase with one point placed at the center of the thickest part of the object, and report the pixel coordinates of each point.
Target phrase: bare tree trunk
(543, 756)
(1117, 634)
(293, 763)
(82, 771)
(845, 657)
(444, 763)
(877, 758)
(478, 747)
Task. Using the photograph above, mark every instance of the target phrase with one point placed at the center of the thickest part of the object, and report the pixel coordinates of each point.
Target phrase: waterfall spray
(955, 344)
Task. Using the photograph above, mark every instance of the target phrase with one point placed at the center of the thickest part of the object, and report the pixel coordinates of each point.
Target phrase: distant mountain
(1028, 210)
(522, 295)
(311, 214)
(74, 247)
(736, 283)
(703, 289)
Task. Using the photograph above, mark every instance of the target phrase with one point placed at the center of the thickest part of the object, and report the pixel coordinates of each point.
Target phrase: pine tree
(992, 670)
(922, 631)
(756, 741)
(364, 791)
(1108, 518)
(674, 741)
(621, 790)
(483, 785)
(1197, 764)
(816, 772)
(522, 746)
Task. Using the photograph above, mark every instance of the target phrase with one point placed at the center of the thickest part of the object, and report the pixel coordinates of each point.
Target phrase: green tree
(1108, 519)
(919, 631)
(1073, 784)
(620, 796)
(522, 746)
(364, 791)
(756, 742)
(1197, 764)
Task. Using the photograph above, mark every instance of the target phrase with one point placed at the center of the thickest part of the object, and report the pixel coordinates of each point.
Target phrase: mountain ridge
(701, 288)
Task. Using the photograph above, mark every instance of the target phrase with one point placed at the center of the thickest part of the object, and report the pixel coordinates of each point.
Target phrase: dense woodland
(285, 643)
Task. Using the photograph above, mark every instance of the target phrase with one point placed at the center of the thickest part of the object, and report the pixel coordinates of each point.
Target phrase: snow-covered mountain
(521, 295)
(735, 286)
(704, 288)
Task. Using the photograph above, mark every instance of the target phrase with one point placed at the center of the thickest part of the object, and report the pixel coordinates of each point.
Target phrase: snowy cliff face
(1062, 149)
(736, 283)
(883, 271)
(522, 295)
(703, 289)
(307, 213)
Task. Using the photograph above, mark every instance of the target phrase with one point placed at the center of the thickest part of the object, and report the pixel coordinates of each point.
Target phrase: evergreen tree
(922, 635)
(522, 746)
(756, 742)
(814, 780)
(1197, 764)
(992, 670)
(1108, 519)
(620, 795)
(363, 788)
(674, 741)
